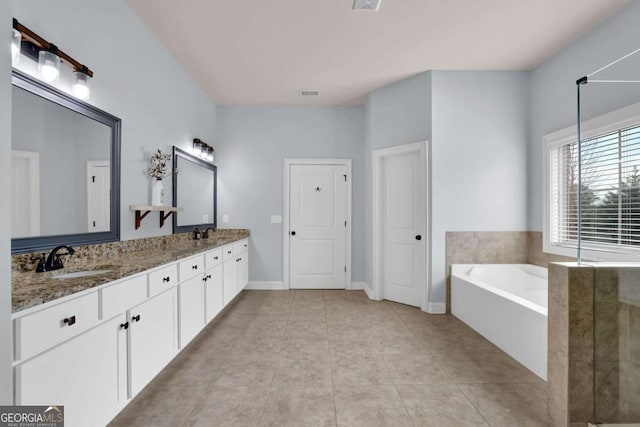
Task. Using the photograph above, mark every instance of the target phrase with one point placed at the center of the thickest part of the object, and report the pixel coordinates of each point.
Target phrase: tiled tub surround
(594, 341)
(495, 247)
(122, 259)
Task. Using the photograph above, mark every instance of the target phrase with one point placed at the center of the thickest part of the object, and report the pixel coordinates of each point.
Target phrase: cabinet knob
(135, 318)
(238, 260)
(293, 233)
(194, 267)
(245, 245)
(418, 237)
(229, 252)
(204, 279)
(166, 279)
(215, 257)
(208, 276)
(124, 325)
(69, 321)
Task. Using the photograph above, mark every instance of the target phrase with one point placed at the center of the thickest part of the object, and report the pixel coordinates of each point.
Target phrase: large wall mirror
(65, 169)
(194, 190)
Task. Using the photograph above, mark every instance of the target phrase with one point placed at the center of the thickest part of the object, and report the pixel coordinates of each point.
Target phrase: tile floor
(326, 358)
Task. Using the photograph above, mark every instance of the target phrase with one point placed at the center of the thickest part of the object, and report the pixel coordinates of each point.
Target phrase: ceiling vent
(309, 92)
(370, 5)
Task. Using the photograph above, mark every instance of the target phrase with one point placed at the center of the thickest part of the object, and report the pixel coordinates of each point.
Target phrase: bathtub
(507, 304)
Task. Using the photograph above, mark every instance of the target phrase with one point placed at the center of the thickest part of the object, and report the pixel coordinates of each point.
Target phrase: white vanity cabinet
(94, 351)
(191, 300)
(235, 269)
(153, 338)
(229, 277)
(213, 287)
(241, 251)
(87, 374)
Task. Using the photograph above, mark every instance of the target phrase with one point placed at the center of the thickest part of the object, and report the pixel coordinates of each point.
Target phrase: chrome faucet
(205, 235)
(54, 262)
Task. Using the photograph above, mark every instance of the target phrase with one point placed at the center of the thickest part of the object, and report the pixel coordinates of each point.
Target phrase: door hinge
(345, 268)
(345, 177)
(93, 178)
(94, 224)
(345, 223)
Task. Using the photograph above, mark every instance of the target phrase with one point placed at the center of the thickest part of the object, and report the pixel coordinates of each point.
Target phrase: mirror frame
(179, 152)
(33, 244)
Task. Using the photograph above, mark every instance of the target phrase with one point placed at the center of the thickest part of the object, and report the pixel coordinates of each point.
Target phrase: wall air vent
(370, 5)
(309, 92)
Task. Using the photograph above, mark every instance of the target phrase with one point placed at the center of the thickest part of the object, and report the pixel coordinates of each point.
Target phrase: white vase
(157, 193)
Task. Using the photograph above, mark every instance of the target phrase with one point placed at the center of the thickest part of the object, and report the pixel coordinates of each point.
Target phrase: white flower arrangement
(159, 163)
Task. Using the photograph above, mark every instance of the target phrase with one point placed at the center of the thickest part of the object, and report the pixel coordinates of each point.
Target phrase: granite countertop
(30, 289)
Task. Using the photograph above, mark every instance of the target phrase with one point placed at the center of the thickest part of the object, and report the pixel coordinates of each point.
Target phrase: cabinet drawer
(191, 267)
(44, 329)
(162, 279)
(227, 252)
(240, 247)
(213, 258)
(122, 296)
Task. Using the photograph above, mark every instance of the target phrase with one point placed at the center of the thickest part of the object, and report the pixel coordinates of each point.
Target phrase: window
(610, 188)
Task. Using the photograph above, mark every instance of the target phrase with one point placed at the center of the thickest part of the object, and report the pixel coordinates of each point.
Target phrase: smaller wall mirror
(194, 190)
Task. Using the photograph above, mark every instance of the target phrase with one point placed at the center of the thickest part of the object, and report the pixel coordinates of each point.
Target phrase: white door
(153, 338)
(98, 196)
(318, 215)
(230, 280)
(403, 219)
(25, 193)
(191, 299)
(87, 375)
(243, 271)
(214, 301)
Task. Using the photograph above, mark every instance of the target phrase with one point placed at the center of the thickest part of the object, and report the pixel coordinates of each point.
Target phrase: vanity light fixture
(49, 58)
(49, 65)
(203, 150)
(81, 84)
(16, 42)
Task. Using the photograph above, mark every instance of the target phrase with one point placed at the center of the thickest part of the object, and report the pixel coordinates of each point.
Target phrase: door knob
(293, 233)
(418, 237)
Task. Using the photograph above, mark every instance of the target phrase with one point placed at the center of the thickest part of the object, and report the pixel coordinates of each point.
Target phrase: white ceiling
(262, 52)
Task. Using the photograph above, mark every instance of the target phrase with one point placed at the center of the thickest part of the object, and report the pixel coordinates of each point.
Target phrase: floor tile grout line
(473, 404)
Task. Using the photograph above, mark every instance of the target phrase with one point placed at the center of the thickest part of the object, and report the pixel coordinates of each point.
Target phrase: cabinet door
(153, 338)
(191, 309)
(243, 271)
(86, 374)
(230, 279)
(213, 293)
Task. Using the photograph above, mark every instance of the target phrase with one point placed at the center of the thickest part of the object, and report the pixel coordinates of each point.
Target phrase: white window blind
(610, 192)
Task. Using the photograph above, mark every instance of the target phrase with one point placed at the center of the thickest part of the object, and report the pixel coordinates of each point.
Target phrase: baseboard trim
(437, 308)
(358, 286)
(265, 286)
(368, 291)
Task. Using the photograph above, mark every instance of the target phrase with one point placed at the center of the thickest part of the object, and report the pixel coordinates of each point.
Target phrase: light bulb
(81, 85)
(49, 66)
(16, 41)
(197, 148)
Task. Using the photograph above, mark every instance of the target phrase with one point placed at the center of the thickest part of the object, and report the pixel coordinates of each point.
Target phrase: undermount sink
(76, 274)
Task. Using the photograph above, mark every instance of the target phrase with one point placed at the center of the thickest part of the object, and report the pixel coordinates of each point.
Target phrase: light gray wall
(136, 79)
(478, 163)
(251, 146)
(396, 114)
(6, 377)
(552, 91)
